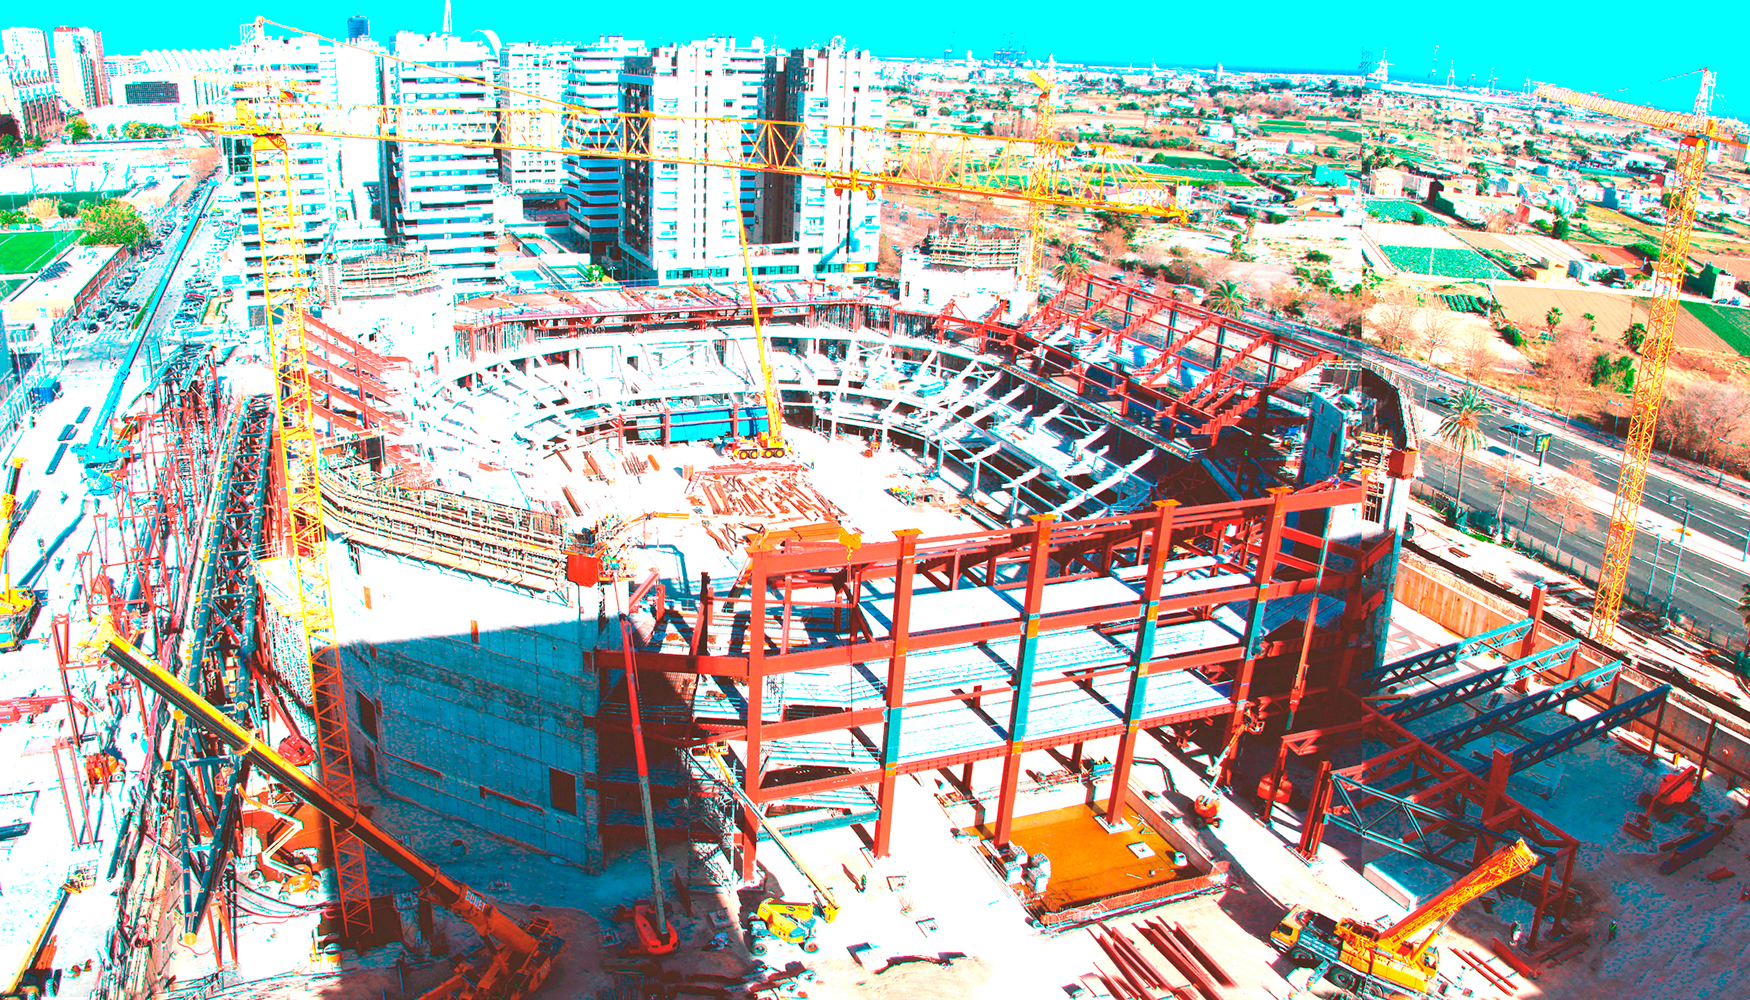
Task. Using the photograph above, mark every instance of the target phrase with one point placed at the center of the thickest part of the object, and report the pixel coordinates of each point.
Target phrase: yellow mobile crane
(17, 605)
(1400, 958)
(1696, 131)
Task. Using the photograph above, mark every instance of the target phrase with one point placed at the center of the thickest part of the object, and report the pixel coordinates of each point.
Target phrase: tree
(112, 222)
(1635, 336)
(78, 130)
(43, 209)
(1744, 606)
(1551, 318)
(1569, 365)
(1461, 430)
(1072, 264)
(1477, 352)
(35, 143)
(1561, 227)
(1228, 298)
(10, 146)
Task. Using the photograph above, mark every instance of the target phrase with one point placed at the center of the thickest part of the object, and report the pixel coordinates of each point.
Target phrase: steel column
(904, 578)
(1038, 565)
(1145, 649)
(756, 690)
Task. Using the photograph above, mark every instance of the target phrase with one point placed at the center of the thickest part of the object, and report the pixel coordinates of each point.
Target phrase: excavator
(774, 919)
(515, 959)
(1400, 959)
(18, 606)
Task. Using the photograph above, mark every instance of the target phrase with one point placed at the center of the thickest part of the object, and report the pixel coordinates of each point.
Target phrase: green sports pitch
(29, 251)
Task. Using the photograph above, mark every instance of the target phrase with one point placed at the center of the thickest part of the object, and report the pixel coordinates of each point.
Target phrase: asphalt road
(1706, 591)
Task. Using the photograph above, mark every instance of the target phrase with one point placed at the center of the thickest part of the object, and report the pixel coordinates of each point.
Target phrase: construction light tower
(1695, 130)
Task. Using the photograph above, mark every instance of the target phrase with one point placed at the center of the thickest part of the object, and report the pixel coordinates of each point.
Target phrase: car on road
(1523, 430)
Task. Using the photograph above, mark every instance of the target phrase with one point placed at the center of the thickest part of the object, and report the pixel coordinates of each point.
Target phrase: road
(1706, 591)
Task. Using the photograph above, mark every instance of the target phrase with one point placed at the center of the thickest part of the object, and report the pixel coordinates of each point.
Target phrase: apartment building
(592, 184)
(26, 48)
(79, 69)
(330, 179)
(685, 221)
(439, 198)
(535, 78)
(821, 89)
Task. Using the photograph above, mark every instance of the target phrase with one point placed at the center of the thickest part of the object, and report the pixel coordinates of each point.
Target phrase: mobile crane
(1401, 958)
(17, 605)
(775, 919)
(515, 959)
(768, 443)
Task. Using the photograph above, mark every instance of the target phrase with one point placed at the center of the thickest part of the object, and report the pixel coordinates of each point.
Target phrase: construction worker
(1611, 934)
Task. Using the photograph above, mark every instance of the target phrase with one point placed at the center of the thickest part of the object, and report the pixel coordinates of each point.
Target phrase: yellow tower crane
(1695, 131)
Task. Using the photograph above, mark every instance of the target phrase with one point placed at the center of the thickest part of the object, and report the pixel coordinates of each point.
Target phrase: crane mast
(1696, 130)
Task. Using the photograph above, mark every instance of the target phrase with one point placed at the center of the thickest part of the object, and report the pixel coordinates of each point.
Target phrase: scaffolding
(510, 544)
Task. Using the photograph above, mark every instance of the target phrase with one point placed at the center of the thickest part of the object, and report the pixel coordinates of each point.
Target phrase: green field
(67, 198)
(1281, 125)
(1401, 210)
(1232, 178)
(1728, 323)
(28, 251)
(1448, 263)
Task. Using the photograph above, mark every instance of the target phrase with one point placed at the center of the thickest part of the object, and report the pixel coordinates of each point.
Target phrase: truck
(1402, 959)
(516, 958)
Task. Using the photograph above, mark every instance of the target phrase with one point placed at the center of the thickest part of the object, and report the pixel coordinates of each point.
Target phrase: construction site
(751, 639)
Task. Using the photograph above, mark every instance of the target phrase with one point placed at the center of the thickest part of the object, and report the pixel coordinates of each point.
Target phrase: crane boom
(523, 954)
(1696, 130)
(1506, 864)
(720, 772)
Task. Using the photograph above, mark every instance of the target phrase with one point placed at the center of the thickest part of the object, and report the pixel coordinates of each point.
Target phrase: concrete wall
(455, 716)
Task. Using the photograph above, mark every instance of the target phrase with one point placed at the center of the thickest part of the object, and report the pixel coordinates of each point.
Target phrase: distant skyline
(1605, 52)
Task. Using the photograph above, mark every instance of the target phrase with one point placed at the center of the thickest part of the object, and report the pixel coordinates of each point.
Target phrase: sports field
(29, 251)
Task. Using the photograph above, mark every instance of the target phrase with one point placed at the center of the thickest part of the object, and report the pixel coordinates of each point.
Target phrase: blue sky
(1605, 51)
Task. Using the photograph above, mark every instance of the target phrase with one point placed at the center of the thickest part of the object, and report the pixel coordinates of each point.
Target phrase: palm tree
(1744, 606)
(1229, 299)
(1071, 265)
(1462, 431)
(1552, 318)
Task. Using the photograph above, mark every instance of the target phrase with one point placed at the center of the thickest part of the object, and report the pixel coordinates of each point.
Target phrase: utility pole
(1688, 509)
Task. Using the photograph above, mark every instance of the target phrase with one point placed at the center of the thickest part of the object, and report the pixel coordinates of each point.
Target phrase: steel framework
(1086, 654)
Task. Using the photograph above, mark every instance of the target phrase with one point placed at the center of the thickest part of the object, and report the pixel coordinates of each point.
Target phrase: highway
(1706, 592)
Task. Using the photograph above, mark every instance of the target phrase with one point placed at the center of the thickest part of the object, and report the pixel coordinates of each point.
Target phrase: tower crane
(18, 606)
(1695, 131)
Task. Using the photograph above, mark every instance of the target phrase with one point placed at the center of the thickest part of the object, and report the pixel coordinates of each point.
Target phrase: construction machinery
(515, 959)
(1399, 959)
(18, 607)
(1697, 132)
(774, 919)
(768, 443)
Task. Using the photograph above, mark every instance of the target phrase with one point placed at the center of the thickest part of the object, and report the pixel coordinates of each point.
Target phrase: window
(926, 296)
(367, 716)
(562, 790)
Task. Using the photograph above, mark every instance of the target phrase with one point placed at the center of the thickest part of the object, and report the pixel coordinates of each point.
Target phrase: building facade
(26, 47)
(535, 78)
(685, 221)
(593, 184)
(838, 230)
(330, 178)
(440, 199)
(30, 103)
(79, 69)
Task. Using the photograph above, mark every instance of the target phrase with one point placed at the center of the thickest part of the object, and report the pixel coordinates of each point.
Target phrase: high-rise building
(26, 48)
(838, 229)
(535, 78)
(79, 69)
(30, 106)
(684, 221)
(357, 26)
(592, 184)
(440, 199)
(330, 178)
